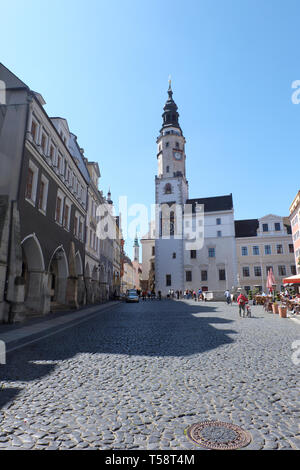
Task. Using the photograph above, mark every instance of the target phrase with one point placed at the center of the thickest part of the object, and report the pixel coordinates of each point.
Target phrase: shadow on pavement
(152, 329)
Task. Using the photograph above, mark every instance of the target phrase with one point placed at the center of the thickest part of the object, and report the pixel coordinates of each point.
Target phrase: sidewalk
(18, 335)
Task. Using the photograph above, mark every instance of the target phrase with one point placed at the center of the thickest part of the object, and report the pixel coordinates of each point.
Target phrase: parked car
(132, 296)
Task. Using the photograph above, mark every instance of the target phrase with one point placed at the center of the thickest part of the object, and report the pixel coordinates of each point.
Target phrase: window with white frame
(43, 194)
(52, 153)
(34, 129)
(59, 206)
(67, 214)
(44, 140)
(282, 270)
(244, 251)
(268, 250)
(31, 182)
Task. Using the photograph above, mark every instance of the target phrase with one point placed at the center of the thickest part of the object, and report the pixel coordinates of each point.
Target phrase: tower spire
(170, 114)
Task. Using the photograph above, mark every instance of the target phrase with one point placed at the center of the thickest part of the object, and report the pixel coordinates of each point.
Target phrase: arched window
(172, 223)
(168, 188)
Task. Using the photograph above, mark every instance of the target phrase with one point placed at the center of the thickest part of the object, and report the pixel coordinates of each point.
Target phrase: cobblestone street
(137, 376)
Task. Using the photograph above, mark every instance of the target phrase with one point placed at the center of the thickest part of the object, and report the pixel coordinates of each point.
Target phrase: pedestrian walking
(242, 300)
(228, 296)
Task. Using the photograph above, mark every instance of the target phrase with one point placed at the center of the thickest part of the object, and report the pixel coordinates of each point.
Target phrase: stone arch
(78, 264)
(95, 274)
(87, 271)
(33, 272)
(58, 275)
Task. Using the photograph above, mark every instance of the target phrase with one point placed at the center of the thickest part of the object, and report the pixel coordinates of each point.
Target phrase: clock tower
(171, 193)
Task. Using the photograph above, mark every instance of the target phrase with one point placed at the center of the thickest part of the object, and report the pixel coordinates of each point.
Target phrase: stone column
(72, 281)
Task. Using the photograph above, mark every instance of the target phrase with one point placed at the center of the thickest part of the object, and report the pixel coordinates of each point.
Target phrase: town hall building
(194, 238)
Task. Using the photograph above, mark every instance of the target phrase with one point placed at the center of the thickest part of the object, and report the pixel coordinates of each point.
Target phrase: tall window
(29, 184)
(265, 227)
(42, 193)
(211, 252)
(188, 276)
(267, 249)
(279, 249)
(172, 223)
(244, 251)
(281, 270)
(257, 271)
(219, 233)
(193, 254)
(51, 154)
(222, 275)
(168, 279)
(153, 251)
(66, 216)
(43, 142)
(58, 209)
(203, 275)
(34, 130)
(291, 248)
(277, 226)
(218, 221)
(255, 250)
(293, 270)
(246, 271)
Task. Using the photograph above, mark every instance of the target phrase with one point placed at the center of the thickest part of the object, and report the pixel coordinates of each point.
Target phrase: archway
(58, 275)
(33, 272)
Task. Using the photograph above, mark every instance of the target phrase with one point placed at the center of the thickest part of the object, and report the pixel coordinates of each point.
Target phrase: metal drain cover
(218, 436)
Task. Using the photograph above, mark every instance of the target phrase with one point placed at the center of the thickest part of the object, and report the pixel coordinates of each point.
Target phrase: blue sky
(104, 66)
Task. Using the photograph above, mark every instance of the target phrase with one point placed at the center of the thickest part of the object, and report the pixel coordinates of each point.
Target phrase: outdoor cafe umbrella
(270, 280)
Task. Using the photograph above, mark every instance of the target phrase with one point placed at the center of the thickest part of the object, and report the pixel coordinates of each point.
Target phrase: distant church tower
(136, 250)
(171, 188)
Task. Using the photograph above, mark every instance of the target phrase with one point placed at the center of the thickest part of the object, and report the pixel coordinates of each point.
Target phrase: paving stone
(140, 386)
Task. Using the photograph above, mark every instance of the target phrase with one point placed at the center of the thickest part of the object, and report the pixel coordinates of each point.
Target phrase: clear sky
(104, 66)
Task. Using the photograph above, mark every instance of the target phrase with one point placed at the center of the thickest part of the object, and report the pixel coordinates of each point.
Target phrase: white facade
(271, 247)
(214, 266)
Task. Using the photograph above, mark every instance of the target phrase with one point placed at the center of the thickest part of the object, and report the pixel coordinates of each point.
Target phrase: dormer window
(265, 227)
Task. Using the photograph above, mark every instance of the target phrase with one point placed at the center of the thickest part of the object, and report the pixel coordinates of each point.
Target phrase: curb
(25, 335)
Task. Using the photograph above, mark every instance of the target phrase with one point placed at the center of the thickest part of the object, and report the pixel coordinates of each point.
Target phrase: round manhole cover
(218, 436)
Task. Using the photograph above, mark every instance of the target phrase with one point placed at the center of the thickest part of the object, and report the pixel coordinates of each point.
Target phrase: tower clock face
(177, 155)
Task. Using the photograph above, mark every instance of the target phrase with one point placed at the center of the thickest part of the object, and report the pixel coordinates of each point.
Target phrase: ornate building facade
(50, 254)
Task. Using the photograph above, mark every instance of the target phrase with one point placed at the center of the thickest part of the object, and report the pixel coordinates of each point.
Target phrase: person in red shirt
(242, 300)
